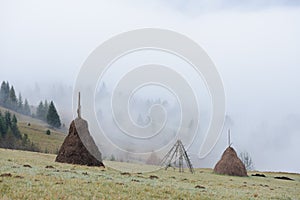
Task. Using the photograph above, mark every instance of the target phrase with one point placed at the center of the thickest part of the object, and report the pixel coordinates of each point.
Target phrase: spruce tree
(46, 107)
(20, 104)
(13, 102)
(14, 127)
(10, 140)
(4, 94)
(2, 126)
(40, 111)
(52, 116)
(6, 103)
(26, 110)
(7, 119)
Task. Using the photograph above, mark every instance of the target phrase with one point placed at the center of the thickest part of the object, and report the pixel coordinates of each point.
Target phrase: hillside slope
(29, 175)
(36, 131)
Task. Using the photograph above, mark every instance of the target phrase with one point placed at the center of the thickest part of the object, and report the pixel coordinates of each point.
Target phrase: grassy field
(37, 132)
(28, 175)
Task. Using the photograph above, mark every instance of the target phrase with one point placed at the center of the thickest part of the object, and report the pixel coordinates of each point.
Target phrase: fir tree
(26, 110)
(7, 119)
(13, 102)
(40, 111)
(14, 127)
(46, 107)
(9, 139)
(20, 104)
(4, 94)
(52, 116)
(2, 126)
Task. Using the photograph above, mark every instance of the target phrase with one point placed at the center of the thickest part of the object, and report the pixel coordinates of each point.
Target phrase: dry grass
(65, 181)
(37, 134)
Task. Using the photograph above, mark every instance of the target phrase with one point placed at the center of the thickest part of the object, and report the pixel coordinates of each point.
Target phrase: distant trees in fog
(42, 110)
(48, 113)
(8, 99)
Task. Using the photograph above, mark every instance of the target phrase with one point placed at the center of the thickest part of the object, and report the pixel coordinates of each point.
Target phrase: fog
(255, 47)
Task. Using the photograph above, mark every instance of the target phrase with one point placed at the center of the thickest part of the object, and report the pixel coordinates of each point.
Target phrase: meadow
(36, 132)
(29, 175)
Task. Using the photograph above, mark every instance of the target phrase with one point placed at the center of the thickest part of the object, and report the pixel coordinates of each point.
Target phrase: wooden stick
(79, 107)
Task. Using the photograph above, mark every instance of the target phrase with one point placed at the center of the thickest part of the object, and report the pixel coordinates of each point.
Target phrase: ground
(29, 175)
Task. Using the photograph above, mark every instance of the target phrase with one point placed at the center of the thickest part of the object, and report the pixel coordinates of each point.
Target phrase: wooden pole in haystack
(79, 107)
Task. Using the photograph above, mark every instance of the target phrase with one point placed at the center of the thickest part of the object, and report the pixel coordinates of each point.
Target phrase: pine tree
(14, 127)
(52, 116)
(10, 140)
(7, 119)
(46, 106)
(4, 94)
(26, 110)
(20, 104)
(13, 102)
(46, 109)
(40, 111)
(2, 126)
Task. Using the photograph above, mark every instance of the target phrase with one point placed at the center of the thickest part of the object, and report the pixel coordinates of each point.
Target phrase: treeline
(8, 99)
(11, 137)
(46, 112)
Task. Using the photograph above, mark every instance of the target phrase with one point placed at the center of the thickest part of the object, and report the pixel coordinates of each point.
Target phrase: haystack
(230, 164)
(73, 149)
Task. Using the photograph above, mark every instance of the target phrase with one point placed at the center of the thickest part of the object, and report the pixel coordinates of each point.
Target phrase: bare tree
(247, 160)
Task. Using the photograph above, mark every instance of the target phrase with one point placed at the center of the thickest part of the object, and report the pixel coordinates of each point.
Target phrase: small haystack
(230, 164)
(73, 150)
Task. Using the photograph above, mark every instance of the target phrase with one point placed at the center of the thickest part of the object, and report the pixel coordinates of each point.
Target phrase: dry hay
(6, 175)
(153, 177)
(199, 187)
(259, 175)
(230, 164)
(73, 150)
(284, 178)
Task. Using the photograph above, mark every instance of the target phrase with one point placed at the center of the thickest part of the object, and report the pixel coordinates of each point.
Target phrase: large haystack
(230, 164)
(74, 151)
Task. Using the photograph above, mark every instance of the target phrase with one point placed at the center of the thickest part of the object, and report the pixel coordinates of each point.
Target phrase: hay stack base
(230, 164)
(73, 150)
